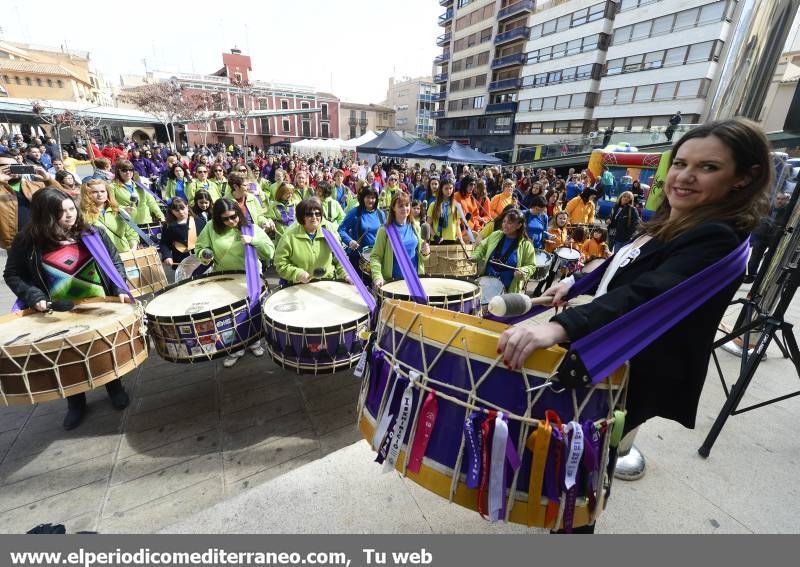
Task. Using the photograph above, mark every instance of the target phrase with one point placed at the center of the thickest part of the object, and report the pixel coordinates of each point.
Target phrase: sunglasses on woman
(314, 214)
(228, 218)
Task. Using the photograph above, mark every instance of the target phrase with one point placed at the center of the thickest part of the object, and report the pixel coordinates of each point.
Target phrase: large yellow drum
(435, 382)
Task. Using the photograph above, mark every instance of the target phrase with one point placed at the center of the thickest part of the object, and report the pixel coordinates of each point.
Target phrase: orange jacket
(580, 212)
(593, 249)
(9, 207)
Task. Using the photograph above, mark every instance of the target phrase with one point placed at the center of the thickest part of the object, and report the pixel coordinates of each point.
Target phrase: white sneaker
(630, 466)
(256, 349)
(232, 358)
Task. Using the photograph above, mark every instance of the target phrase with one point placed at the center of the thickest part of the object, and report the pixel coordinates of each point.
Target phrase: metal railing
(508, 60)
(505, 84)
(516, 8)
(443, 39)
(516, 33)
(446, 17)
(501, 107)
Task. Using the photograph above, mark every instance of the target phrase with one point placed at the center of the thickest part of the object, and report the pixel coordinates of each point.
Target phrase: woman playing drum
(507, 253)
(303, 253)
(222, 243)
(99, 208)
(140, 204)
(382, 263)
(360, 226)
(180, 235)
(716, 190)
(48, 261)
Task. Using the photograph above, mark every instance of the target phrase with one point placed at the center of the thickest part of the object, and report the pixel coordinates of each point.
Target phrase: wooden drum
(438, 405)
(203, 317)
(144, 271)
(455, 295)
(316, 327)
(450, 261)
(46, 356)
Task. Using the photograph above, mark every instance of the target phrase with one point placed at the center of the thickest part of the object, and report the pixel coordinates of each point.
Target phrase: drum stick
(498, 263)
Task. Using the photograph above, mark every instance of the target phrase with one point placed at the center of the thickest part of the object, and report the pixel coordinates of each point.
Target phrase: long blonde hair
(89, 209)
(742, 208)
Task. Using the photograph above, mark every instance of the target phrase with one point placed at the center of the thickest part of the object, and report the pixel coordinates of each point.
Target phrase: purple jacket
(144, 167)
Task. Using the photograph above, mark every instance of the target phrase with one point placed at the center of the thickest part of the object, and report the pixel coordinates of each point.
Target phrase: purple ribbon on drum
(409, 272)
(251, 268)
(597, 357)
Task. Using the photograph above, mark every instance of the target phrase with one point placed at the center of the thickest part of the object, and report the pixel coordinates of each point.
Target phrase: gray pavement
(256, 449)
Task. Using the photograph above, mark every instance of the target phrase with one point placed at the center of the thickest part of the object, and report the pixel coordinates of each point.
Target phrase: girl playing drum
(48, 261)
(507, 253)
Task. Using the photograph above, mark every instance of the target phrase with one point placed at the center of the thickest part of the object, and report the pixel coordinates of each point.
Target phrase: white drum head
(568, 254)
(542, 258)
(84, 317)
(490, 287)
(199, 295)
(314, 305)
(434, 287)
(187, 266)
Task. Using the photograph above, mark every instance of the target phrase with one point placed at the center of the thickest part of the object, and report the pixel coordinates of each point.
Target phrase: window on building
(49, 83)
(700, 52)
(30, 83)
(663, 24)
(305, 105)
(262, 104)
(306, 128)
(284, 104)
(477, 102)
(641, 30)
(238, 77)
(39, 81)
(711, 13)
(220, 124)
(625, 96)
(689, 89)
(644, 93)
(285, 125)
(324, 107)
(675, 56)
(240, 101)
(326, 130)
(59, 82)
(653, 60)
(264, 125)
(686, 19)
(352, 132)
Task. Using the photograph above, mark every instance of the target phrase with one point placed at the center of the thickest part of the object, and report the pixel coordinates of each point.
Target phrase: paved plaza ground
(257, 449)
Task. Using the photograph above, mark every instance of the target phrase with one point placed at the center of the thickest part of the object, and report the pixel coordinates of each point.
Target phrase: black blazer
(24, 273)
(667, 377)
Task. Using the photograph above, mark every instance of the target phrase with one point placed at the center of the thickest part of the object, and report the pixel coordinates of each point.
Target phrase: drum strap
(595, 356)
(141, 186)
(100, 254)
(350, 270)
(142, 234)
(191, 238)
(251, 267)
(409, 272)
(575, 442)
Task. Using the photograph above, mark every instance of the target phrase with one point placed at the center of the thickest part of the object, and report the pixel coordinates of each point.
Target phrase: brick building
(274, 111)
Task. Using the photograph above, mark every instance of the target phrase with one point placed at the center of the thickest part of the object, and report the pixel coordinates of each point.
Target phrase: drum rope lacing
(68, 344)
(527, 423)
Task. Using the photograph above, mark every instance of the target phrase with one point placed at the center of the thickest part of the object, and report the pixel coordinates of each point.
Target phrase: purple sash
(141, 186)
(251, 268)
(349, 269)
(409, 272)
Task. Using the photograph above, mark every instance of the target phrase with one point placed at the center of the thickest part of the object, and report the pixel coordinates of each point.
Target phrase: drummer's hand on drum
(40, 305)
(348, 280)
(353, 245)
(123, 298)
(557, 292)
(305, 277)
(377, 284)
(247, 239)
(425, 249)
(519, 274)
(169, 261)
(518, 342)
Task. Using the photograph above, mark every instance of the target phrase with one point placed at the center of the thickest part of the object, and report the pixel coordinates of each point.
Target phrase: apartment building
(627, 65)
(356, 119)
(413, 101)
(478, 71)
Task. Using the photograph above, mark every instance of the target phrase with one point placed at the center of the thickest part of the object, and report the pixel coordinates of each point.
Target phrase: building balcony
(445, 2)
(444, 39)
(501, 107)
(440, 78)
(513, 35)
(505, 85)
(445, 18)
(509, 61)
(442, 59)
(516, 9)
(437, 114)
(436, 97)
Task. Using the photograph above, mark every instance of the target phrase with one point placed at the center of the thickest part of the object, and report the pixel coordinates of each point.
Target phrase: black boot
(76, 410)
(119, 397)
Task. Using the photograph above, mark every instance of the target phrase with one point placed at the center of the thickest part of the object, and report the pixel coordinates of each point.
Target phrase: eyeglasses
(242, 170)
(313, 214)
(393, 179)
(125, 170)
(217, 171)
(202, 171)
(228, 218)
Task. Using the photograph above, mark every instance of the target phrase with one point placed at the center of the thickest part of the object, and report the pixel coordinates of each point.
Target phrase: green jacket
(257, 213)
(196, 186)
(333, 212)
(275, 214)
(228, 248)
(526, 257)
(386, 196)
(147, 208)
(381, 259)
(297, 253)
(118, 231)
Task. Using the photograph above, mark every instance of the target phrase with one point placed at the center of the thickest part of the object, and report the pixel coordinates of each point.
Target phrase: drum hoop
(139, 253)
(330, 329)
(79, 338)
(193, 316)
(455, 296)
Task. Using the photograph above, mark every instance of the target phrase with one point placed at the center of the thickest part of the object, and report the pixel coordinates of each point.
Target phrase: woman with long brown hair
(715, 192)
(100, 208)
